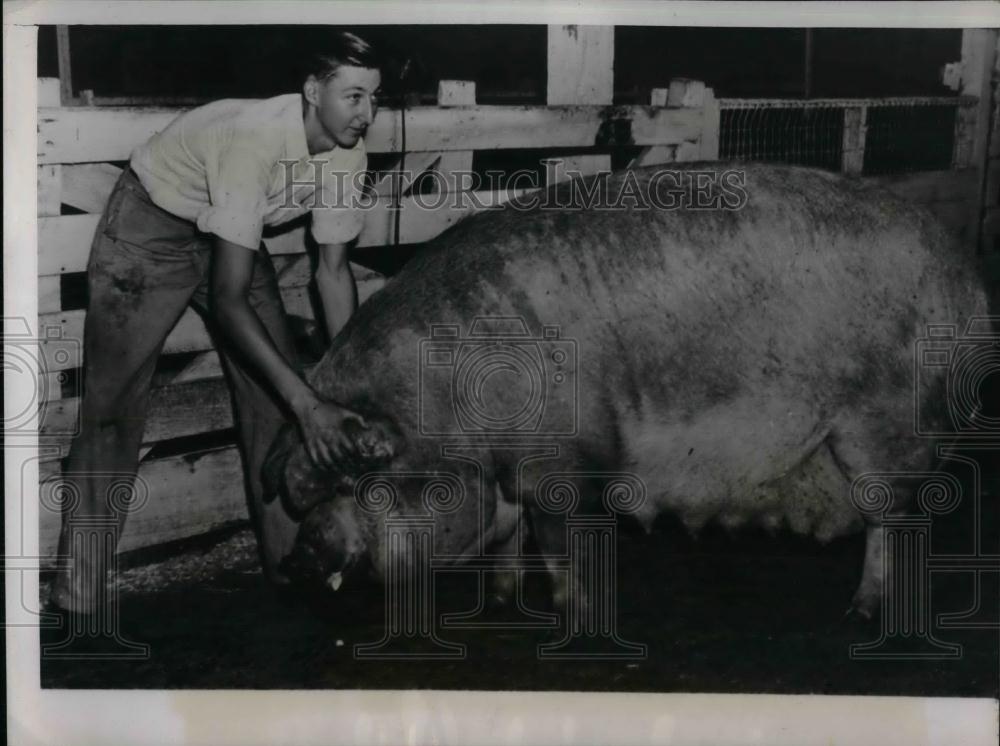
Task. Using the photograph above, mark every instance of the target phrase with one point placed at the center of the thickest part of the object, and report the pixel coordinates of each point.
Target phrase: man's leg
(258, 415)
(136, 295)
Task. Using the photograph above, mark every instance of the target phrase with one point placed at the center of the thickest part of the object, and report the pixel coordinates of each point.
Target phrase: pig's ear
(303, 484)
(288, 473)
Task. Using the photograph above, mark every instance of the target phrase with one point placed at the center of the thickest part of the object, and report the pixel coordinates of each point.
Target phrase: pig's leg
(868, 596)
(853, 460)
(508, 575)
(565, 563)
(549, 532)
(511, 531)
(874, 445)
(550, 503)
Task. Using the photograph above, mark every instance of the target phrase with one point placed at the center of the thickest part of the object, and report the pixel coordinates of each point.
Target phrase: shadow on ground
(746, 613)
(720, 615)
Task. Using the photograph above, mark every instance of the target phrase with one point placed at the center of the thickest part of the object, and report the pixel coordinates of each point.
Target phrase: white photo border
(65, 717)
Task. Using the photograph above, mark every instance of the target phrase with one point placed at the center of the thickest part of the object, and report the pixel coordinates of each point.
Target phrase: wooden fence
(197, 489)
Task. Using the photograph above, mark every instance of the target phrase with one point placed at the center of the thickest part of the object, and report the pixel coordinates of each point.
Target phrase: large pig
(746, 362)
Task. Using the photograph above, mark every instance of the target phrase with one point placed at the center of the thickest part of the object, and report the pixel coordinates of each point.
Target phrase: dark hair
(343, 48)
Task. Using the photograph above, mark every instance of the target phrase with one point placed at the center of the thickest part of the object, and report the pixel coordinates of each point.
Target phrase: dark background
(506, 62)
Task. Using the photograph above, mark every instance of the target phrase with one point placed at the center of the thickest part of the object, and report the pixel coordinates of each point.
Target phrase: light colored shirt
(221, 167)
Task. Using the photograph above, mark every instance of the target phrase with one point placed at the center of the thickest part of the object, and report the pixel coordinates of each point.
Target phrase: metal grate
(802, 136)
(902, 134)
(909, 138)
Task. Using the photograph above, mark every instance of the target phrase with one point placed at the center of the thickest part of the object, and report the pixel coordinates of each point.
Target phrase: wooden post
(683, 93)
(852, 158)
(709, 142)
(654, 155)
(50, 174)
(65, 72)
(50, 177)
(455, 162)
(973, 73)
(580, 65)
(692, 94)
(658, 96)
(686, 94)
(979, 52)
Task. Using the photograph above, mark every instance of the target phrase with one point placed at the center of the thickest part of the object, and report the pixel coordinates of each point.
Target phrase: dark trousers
(146, 266)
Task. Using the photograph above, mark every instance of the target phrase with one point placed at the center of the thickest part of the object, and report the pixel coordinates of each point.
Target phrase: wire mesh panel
(909, 138)
(900, 134)
(805, 136)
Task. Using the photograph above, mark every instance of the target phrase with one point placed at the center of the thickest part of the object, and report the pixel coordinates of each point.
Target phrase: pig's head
(331, 544)
(334, 537)
(343, 510)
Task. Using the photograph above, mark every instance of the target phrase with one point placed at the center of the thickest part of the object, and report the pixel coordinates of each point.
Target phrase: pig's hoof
(497, 602)
(864, 606)
(502, 593)
(858, 617)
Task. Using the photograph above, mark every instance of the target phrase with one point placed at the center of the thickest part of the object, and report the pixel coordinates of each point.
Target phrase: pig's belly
(745, 461)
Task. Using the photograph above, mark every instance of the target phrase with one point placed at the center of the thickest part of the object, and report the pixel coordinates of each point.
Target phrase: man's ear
(310, 90)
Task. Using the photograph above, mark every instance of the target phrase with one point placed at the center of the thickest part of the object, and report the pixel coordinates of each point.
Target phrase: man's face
(346, 103)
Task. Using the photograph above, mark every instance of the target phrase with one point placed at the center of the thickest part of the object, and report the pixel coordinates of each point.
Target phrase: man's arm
(336, 285)
(321, 421)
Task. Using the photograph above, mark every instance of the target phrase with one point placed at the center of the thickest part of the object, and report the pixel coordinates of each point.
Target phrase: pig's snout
(329, 547)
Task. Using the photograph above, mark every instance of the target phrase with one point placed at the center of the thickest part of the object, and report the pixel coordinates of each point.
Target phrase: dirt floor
(749, 613)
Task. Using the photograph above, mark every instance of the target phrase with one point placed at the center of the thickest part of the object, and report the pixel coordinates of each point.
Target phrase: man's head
(340, 91)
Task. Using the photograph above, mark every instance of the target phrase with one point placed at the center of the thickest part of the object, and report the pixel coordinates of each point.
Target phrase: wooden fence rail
(87, 135)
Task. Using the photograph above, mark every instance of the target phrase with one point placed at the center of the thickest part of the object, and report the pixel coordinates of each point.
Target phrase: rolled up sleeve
(237, 188)
(339, 216)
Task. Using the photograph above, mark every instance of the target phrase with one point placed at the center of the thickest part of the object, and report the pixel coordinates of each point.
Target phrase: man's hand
(324, 425)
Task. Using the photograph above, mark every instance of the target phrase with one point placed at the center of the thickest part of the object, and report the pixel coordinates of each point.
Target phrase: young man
(183, 225)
